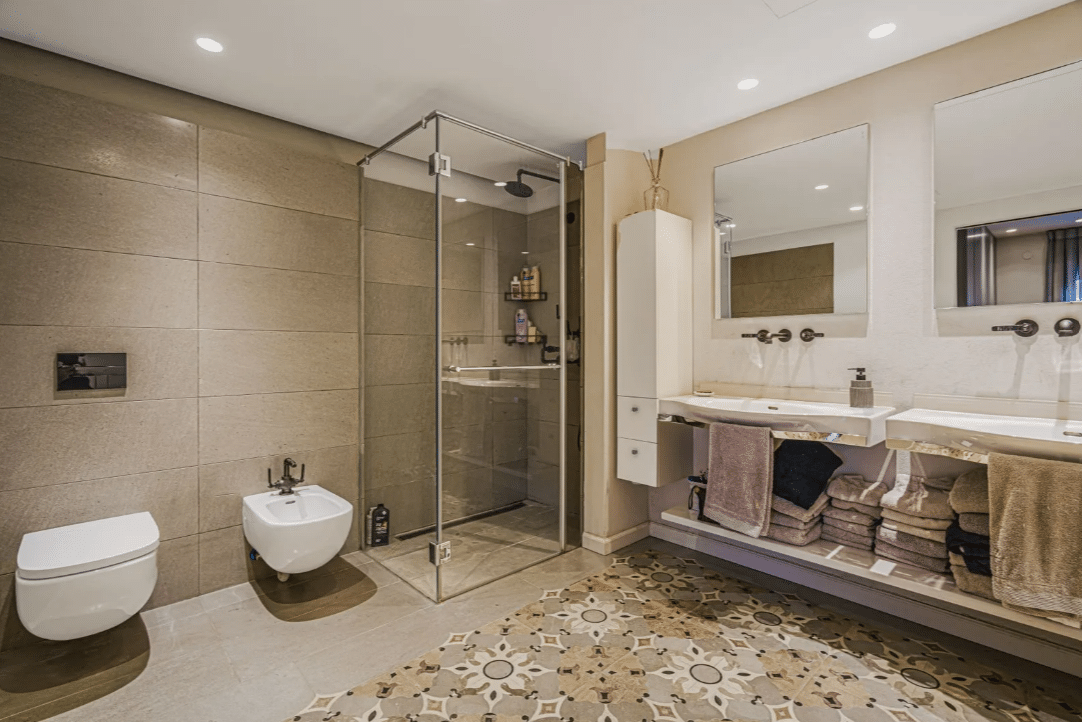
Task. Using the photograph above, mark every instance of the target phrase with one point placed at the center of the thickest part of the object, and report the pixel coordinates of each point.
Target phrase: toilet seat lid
(87, 546)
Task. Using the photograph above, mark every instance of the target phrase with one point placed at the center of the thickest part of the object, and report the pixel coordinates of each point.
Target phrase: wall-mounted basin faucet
(785, 335)
(808, 335)
(1067, 327)
(1024, 328)
(762, 336)
(288, 481)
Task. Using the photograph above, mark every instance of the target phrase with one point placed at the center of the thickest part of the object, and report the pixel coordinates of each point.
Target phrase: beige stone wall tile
(237, 166)
(223, 559)
(466, 405)
(399, 360)
(259, 362)
(223, 486)
(412, 505)
(403, 260)
(509, 441)
(249, 298)
(398, 409)
(161, 363)
(57, 207)
(46, 286)
(464, 266)
(48, 445)
(466, 448)
(171, 497)
(392, 309)
(244, 427)
(253, 234)
(396, 209)
(463, 312)
(178, 572)
(399, 458)
(57, 128)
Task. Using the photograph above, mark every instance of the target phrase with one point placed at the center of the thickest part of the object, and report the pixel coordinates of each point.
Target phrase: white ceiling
(550, 72)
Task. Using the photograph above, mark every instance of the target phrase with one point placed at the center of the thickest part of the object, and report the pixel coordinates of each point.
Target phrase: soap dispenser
(861, 395)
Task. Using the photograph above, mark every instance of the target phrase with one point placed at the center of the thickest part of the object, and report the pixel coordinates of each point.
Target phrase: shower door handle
(546, 367)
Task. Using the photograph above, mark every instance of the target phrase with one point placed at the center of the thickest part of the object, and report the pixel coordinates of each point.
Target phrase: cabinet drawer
(636, 461)
(636, 418)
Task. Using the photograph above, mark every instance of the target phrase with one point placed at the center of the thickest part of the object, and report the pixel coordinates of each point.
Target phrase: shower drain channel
(457, 522)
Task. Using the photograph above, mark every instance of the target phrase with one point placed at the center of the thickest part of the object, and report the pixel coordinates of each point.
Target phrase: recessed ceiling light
(460, 200)
(1011, 230)
(500, 184)
(210, 45)
(882, 31)
(471, 244)
(525, 253)
(857, 208)
(732, 225)
(747, 84)
(822, 187)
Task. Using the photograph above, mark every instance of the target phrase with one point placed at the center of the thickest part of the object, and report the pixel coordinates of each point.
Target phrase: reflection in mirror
(790, 230)
(1008, 176)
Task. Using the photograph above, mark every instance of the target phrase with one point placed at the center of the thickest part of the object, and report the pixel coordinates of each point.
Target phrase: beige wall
(225, 265)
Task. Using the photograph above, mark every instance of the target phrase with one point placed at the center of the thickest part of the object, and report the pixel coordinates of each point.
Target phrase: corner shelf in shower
(526, 297)
(510, 341)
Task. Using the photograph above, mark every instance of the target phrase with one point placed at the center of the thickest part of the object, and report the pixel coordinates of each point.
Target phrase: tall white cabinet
(653, 345)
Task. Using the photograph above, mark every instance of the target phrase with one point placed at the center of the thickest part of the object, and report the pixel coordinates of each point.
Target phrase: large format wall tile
(249, 298)
(399, 360)
(253, 234)
(162, 363)
(58, 207)
(260, 362)
(46, 286)
(171, 497)
(58, 444)
(244, 427)
(54, 127)
(236, 166)
(178, 572)
(222, 486)
(222, 559)
(399, 259)
(412, 505)
(399, 458)
(397, 209)
(392, 309)
(398, 409)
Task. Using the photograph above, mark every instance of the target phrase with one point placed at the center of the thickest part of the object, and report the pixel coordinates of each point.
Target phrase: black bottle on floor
(379, 526)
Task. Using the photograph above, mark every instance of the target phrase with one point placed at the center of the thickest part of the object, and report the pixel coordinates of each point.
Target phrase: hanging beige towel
(777, 519)
(854, 487)
(872, 511)
(840, 537)
(911, 495)
(849, 515)
(940, 524)
(796, 537)
(972, 583)
(975, 524)
(936, 535)
(927, 547)
(889, 551)
(784, 506)
(1036, 533)
(970, 492)
(741, 478)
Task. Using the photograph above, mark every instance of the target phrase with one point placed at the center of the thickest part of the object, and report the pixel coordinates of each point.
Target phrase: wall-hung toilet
(78, 580)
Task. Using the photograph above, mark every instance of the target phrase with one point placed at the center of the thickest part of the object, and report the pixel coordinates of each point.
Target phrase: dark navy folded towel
(963, 542)
(802, 470)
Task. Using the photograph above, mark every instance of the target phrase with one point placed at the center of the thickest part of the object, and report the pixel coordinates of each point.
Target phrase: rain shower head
(519, 189)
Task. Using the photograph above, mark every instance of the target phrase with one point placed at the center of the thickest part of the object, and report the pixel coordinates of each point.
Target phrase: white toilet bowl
(74, 581)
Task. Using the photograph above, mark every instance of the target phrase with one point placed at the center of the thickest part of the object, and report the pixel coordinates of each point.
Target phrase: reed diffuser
(655, 198)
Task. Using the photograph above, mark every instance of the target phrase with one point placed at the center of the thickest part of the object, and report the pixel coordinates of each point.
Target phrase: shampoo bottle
(527, 283)
(379, 526)
(516, 288)
(535, 272)
(522, 326)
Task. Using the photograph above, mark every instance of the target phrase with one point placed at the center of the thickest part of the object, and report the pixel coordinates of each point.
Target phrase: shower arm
(536, 175)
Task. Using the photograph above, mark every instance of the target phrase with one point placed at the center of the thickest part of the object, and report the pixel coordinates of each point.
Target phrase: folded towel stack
(916, 517)
(854, 512)
(793, 524)
(801, 472)
(968, 538)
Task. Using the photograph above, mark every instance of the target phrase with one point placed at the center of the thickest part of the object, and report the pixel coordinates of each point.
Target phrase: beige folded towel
(840, 537)
(872, 511)
(936, 535)
(1036, 533)
(854, 487)
(864, 530)
(849, 515)
(788, 521)
(971, 583)
(940, 524)
(889, 551)
(970, 492)
(945, 483)
(975, 523)
(956, 560)
(927, 547)
(741, 477)
(784, 506)
(911, 495)
(796, 537)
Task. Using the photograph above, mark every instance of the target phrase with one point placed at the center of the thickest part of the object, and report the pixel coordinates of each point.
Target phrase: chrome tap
(1024, 328)
(785, 335)
(288, 481)
(762, 337)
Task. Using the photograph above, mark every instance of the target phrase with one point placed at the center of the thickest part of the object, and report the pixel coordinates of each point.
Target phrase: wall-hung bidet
(74, 581)
(296, 530)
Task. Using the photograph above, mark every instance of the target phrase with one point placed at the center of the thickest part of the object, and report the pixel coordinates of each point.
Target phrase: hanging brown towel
(738, 487)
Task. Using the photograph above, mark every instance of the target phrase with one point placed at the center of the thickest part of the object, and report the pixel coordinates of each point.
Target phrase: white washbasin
(297, 532)
(857, 427)
(985, 433)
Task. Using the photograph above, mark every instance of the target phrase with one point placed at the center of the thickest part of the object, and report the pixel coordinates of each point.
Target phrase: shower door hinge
(439, 163)
(439, 553)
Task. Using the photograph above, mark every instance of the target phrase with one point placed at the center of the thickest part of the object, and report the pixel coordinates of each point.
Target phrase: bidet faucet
(288, 481)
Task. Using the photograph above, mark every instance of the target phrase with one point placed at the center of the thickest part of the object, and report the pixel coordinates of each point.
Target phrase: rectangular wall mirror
(1008, 193)
(791, 230)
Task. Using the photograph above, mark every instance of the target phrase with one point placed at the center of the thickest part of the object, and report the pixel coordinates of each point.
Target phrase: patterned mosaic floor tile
(658, 637)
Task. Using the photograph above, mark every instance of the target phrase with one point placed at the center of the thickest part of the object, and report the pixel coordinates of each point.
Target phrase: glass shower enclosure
(464, 355)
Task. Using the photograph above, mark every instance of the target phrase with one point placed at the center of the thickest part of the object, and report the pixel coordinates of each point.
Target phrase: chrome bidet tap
(288, 481)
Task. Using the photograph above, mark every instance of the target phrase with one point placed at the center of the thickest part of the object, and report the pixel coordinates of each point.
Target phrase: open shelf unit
(526, 297)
